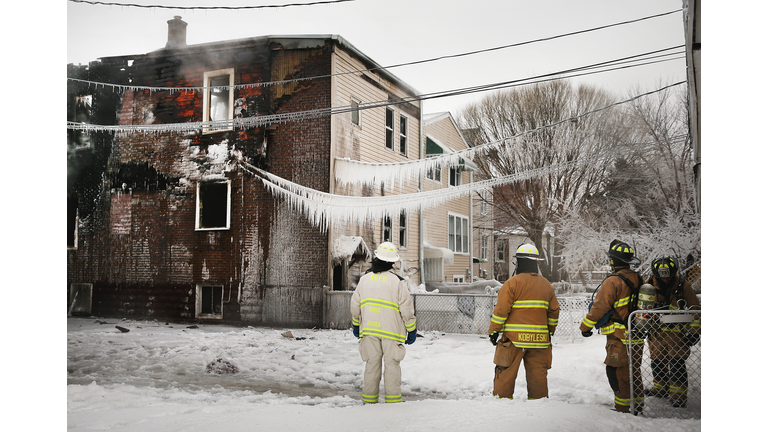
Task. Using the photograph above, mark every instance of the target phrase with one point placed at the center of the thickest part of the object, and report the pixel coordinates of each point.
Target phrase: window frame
(464, 233)
(386, 229)
(198, 206)
(484, 241)
(402, 133)
(389, 128)
(199, 302)
(455, 176)
(403, 229)
(356, 112)
(501, 254)
(207, 76)
(435, 174)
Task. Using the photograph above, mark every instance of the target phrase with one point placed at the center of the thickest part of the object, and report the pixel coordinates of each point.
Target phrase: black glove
(494, 337)
(692, 339)
(587, 333)
(411, 337)
(356, 331)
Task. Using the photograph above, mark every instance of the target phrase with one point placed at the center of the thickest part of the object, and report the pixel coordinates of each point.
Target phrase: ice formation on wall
(321, 208)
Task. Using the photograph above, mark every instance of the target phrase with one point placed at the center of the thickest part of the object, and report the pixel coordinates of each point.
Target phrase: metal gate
(669, 375)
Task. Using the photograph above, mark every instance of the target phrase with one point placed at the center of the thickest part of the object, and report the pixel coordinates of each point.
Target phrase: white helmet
(387, 252)
(529, 251)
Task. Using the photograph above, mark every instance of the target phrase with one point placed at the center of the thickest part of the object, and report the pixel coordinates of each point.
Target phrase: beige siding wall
(436, 219)
(366, 142)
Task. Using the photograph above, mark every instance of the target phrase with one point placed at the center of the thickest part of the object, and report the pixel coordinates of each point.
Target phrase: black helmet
(664, 267)
(623, 253)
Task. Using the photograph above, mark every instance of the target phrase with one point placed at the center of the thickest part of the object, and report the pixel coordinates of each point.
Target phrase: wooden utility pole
(692, 25)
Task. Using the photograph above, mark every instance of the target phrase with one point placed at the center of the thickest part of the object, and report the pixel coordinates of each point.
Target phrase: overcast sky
(392, 32)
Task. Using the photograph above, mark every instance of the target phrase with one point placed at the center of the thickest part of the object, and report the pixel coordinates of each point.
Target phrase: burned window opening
(210, 300)
(72, 220)
(213, 205)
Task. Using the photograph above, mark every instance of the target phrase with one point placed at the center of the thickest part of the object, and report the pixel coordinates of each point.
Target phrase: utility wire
(207, 7)
(386, 67)
(256, 121)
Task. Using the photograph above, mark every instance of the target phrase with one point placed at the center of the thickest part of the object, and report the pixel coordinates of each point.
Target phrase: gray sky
(399, 31)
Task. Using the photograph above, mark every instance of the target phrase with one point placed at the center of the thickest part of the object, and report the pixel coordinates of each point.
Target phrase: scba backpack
(632, 301)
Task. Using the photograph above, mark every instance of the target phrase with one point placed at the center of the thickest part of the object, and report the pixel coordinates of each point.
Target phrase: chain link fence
(669, 372)
(457, 313)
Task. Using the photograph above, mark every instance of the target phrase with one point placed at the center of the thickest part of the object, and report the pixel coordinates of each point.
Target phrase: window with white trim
(403, 229)
(484, 247)
(355, 113)
(403, 135)
(210, 299)
(435, 173)
(484, 201)
(458, 233)
(213, 205)
(455, 179)
(218, 99)
(386, 230)
(458, 278)
(389, 128)
(500, 255)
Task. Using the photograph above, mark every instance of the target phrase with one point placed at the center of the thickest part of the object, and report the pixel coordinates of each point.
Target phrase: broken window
(403, 135)
(435, 174)
(389, 127)
(209, 301)
(213, 207)
(355, 112)
(218, 99)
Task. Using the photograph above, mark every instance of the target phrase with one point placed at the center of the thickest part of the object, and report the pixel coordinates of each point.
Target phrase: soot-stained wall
(136, 196)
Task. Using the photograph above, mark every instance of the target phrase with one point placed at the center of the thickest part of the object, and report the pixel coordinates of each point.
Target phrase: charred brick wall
(139, 247)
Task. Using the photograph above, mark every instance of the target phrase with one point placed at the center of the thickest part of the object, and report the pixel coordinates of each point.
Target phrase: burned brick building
(164, 222)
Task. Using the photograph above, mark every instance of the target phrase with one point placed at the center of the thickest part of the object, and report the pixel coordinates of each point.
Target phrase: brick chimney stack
(177, 33)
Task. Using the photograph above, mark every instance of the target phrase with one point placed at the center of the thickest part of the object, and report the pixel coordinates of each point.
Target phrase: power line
(264, 120)
(208, 7)
(251, 85)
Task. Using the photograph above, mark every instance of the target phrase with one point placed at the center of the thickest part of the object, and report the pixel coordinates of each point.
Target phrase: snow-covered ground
(156, 377)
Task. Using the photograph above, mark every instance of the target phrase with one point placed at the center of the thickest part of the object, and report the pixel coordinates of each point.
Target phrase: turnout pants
(537, 362)
(670, 375)
(617, 370)
(374, 350)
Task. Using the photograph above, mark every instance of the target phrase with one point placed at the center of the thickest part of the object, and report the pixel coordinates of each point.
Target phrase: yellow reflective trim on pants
(370, 398)
(393, 399)
(381, 333)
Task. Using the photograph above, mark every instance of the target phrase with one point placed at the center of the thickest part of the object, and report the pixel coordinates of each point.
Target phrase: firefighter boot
(660, 379)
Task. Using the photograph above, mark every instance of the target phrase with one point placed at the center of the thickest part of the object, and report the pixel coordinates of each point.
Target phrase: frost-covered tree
(537, 203)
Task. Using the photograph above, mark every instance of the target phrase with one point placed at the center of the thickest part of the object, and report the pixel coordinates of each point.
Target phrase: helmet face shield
(664, 273)
(664, 268)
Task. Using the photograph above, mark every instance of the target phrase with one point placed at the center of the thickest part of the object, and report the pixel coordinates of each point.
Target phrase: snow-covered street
(163, 377)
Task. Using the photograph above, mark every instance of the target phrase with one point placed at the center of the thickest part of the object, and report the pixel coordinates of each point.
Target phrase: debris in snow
(192, 327)
(287, 334)
(122, 329)
(221, 366)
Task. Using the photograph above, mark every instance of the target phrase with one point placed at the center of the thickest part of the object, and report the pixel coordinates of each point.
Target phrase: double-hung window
(455, 179)
(389, 128)
(386, 231)
(403, 229)
(403, 135)
(218, 100)
(458, 233)
(355, 113)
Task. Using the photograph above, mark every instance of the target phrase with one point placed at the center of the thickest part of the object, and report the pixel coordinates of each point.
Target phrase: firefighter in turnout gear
(669, 344)
(383, 317)
(525, 316)
(617, 296)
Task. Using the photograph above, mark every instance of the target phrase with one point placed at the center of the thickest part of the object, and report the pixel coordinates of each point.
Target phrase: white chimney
(177, 33)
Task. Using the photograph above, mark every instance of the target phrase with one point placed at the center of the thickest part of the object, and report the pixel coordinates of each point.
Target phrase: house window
(484, 247)
(458, 278)
(435, 173)
(403, 135)
(458, 234)
(213, 205)
(209, 301)
(484, 202)
(455, 179)
(218, 101)
(355, 113)
(389, 128)
(403, 229)
(386, 231)
(500, 256)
